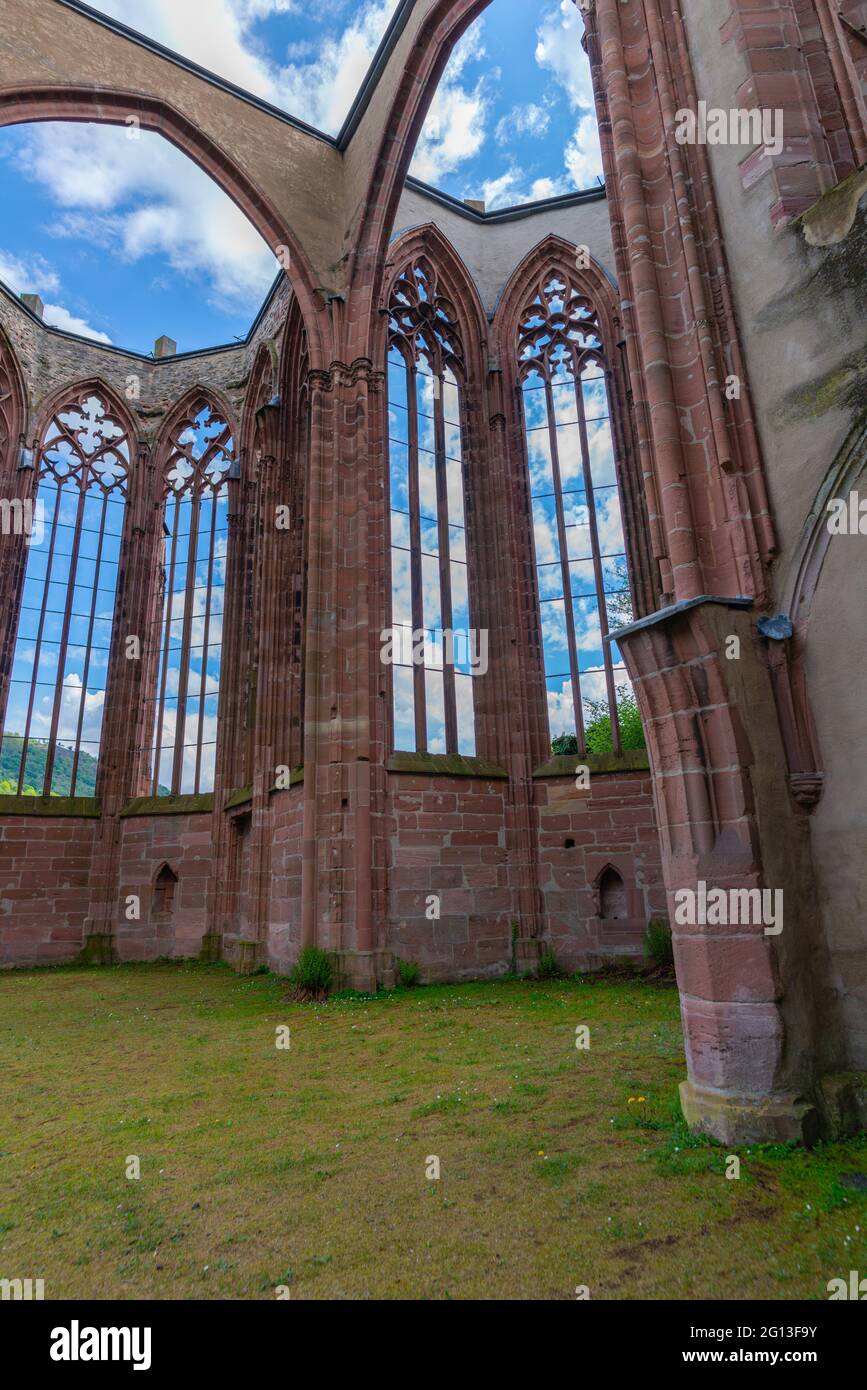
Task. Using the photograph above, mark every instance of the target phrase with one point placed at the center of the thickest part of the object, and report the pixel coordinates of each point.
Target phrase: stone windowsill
(566, 764)
(445, 765)
(169, 805)
(87, 806)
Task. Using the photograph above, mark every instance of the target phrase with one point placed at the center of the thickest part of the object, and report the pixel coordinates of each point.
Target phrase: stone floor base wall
(44, 887)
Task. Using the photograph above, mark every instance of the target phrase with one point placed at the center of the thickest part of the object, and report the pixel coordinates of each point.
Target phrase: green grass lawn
(306, 1167)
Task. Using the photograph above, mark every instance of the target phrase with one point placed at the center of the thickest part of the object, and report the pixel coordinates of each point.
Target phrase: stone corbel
(785, 664)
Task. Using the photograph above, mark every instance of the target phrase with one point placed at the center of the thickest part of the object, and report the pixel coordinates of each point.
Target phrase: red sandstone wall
(184, 843)
(44, 888)
(611, 824)
(284, 930)
(448, 838)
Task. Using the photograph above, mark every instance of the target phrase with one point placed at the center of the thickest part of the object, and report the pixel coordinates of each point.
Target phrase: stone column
(345, 705)
(728, 821)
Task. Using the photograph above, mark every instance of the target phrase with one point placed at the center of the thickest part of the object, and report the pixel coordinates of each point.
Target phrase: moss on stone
(169, 805)
(445, 765)
(566, 764)
(238, 798)
(49, 806)
(98, 949)
(296, 776)
(830, 218)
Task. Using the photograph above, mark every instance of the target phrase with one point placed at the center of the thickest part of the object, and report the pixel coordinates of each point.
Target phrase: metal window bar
(597, 560)
(416, 583)
(38, 649)
(565, 573)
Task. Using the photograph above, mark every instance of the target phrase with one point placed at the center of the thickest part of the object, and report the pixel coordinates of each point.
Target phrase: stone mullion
(490, 701)
(18, 484)
(231, 770)
(598, 574)
(232, 765)
(125, 731)
(515, 673)
(419, 682)
(450, 714)
(639, 554)
(565, 570)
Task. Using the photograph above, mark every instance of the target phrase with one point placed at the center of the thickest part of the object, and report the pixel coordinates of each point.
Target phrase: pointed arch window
(8, 405)
(580, 550)
(190, 627)
(53, 720)
(431, 672)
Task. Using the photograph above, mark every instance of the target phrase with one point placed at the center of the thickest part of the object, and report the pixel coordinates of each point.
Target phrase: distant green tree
(597, 732)
(34, 773)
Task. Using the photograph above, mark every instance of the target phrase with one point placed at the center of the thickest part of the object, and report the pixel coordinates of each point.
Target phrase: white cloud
(58, 317)
(455, 128)
(31, 276)
(212, 33)
(501, 192)
(558, 48)
(35, 276)
(142, 197)
(220, 35)
(530, 119)
(583, 154)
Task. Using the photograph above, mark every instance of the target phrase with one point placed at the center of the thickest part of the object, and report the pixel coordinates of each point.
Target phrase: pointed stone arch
(78, 391)
(454, 338)
(198, 471)
(116, 106)
(165, 882)
(429, 241)
(183, 411)
(13, 406)
(609, 892)
(555, 255)
(17, 486)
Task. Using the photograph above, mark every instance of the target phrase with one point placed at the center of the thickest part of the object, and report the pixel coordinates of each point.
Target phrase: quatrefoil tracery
(558, 333)
(202, 452)
(422, 320)
(84, 441)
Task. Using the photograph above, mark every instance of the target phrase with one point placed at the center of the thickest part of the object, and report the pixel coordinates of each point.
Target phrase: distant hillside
(37, 751)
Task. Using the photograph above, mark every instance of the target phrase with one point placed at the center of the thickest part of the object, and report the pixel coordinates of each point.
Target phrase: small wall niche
(164, 891)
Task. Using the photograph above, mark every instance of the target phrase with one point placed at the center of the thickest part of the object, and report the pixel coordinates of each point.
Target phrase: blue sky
(125, 239)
